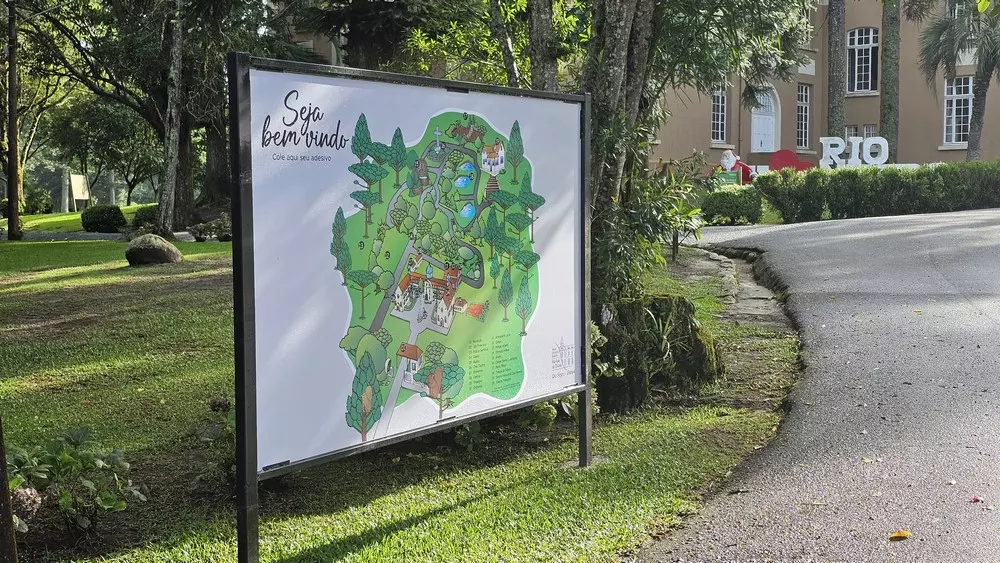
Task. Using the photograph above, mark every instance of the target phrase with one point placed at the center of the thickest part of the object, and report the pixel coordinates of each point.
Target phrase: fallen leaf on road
(975, 499)
(870, 459)
(900, 535)
(918, 311)
(739, 491)
(953, 482)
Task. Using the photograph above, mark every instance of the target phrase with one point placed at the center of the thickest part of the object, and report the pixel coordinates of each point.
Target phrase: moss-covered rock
(657, 340)
(151, 249)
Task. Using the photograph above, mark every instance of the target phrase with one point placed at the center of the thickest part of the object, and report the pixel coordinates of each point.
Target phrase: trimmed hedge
(732, 205)
(103, 219)
(145, 216)
(847, 193)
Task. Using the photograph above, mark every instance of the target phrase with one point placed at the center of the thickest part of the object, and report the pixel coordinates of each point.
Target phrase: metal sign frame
(240, 145)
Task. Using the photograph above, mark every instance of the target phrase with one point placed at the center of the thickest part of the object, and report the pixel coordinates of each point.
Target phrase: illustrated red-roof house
(475, 310)
(493, 158)
(411, 357)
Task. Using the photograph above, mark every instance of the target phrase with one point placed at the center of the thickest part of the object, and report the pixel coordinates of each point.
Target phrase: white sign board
(78, 183)
(417, 258)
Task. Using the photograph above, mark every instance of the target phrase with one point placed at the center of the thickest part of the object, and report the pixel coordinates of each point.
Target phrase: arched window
(862, 60)
(764, 124)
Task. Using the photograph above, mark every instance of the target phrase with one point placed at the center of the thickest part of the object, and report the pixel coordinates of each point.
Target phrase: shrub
(732, 205)
(873, 192)
(37, 201)
(103, 219)
(77, 476)
(201, 232)
(145, 216)
(222, 228)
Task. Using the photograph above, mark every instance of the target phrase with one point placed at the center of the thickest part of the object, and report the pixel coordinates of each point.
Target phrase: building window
(957, 109)
(802, 102)
(957, 9)
(719, 116)
(862, 60)
(850, 131)
(870, 130)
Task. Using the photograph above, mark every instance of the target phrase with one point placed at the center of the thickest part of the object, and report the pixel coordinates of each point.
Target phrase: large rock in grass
(151, 249)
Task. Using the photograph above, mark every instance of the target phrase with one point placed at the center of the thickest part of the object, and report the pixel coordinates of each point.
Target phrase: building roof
(475, 310)
(493, 151)
(409, 351)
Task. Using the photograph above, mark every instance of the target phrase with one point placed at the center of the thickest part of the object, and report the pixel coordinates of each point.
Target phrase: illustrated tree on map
(506, 293)
(495, 270)
(362, 139)
(361, 280)
(364, 405)
(515, 149)
(370, 173)
(493, 232)
(509, 247)
(397, 154)
(523, 307)
(519, 222)
(525, 260)
(366, 200)
(530, 201)
(444, 383)
(381, 153)
(338, 244)
(371, 346)
(385, 281)
(505, 200)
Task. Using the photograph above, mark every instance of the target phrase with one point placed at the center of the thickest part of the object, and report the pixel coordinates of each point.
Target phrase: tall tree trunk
(980, 87)
(498, 29)
(543, 46)
(889, 89)
(184, 196)
(215, 189)
(635, 75)
(165, 220)
(836, 16)
(604, 78)
(8, 547)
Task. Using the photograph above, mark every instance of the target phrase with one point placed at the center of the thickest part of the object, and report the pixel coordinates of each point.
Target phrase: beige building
(933, 120)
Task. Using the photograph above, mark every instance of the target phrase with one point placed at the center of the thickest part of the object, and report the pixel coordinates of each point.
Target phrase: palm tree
(945, 39)
(889, 95)
(836, 17)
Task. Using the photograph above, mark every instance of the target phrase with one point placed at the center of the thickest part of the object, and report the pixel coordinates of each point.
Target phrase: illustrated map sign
(415, 258)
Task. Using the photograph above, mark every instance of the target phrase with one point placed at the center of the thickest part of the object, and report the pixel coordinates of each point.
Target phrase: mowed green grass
(63, 222)
(137, 353)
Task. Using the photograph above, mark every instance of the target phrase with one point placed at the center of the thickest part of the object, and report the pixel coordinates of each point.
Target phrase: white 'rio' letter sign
(861, 152)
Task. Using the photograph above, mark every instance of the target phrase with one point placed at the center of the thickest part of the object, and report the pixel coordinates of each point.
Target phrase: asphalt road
(900, 318)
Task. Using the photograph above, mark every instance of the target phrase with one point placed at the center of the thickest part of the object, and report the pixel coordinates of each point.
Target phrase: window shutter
(875, 68)
(850, 69)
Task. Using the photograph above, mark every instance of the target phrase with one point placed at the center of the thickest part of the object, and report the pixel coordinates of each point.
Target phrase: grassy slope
(62, 222)
(136, 354)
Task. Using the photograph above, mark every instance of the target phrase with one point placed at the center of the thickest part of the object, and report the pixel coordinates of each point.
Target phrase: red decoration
(787, 159)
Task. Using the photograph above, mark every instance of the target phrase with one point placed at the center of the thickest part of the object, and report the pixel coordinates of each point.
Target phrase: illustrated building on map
(444, 295)
(438, 292)
(492, 155)
(410, 356)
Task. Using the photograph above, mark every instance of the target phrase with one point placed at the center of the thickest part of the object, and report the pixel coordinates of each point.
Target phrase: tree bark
(543, 46)
(215, 190)
(836, 17)
(980, 87)
(889, 89)
(635, 76)
(184, 196)
(499, 32)
(606, 81)
(165, 220)
(8, 545)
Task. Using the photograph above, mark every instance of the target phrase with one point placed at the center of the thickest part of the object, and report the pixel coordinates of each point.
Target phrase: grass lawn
(63, 222)
(137, 353)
